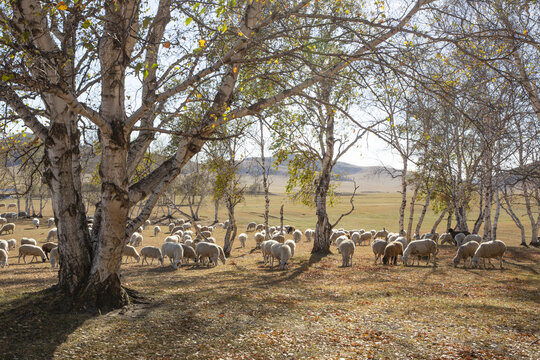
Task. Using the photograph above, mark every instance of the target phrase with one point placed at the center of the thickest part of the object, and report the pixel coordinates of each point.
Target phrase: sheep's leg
(490, 263)
(500, 259)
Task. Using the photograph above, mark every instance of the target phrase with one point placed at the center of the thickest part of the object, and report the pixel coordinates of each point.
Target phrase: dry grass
(316, 309)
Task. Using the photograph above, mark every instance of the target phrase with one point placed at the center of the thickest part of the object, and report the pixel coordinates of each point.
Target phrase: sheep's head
(43, 259)
(385, 260)
(474, 262)
(455, 261)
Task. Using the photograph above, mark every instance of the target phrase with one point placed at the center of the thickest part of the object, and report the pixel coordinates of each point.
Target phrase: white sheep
(266, 248)
(251, 226)
(489, 250)
(378, 246)
(172, 239)
(309, 234)
(210, 251)
(297, 235)
(50, 222)
(12, 205)
(129, 251)
(35, 222)
(346, 248)
(4, 245)
(3, 220)
(12, 244)
(151, 252)
(403, 241)
(171, 227)
(355, 237)
(27, 241)
(26, 249)
(186, 226)
(465, 252)
(136, 239)
(292, 245)
(53, 233)
(281, 252)
(446, 238)
(3, 258)
(147, 223)
(259, 227)
(382, 234)
(424, 247)
(471, 237)
(174, 252)
(54, 257)
(157, 230)
(189, 253)
(7, 227)
(259, 238)
(336, 234)
(242, 237)
(190, 243)
(458, 239)
(339, 240)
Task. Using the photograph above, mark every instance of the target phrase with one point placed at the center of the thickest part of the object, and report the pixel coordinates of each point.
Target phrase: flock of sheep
(200, 246)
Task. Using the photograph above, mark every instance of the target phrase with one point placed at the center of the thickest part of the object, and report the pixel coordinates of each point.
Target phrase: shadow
(34, 325)
(521, 266)
(291, 275)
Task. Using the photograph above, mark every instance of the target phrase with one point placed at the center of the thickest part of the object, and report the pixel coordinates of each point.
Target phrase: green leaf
(86, 24)
(188, 20)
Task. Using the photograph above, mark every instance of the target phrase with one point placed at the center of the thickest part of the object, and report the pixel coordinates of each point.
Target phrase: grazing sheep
(292, 245)
(171, 227)
(281, 252)
(186, 226)
(266, 248)
(174, 251)
(157, 230)
(309, 233)
(53, 233)
(54, 257)
(446, 238)
(129, 251)
(27, 249)
(210, 251)
(27, 241)
(391, 252)
(489, 250)
(2, 205)
(433, 236)
(259, 238)
(50, 222)
(458, 239)
(471, 237)
(12, 244)
(424, 247)
(206, 234)
(181, 233)
(392, 237)
(226, 224)
(35, 222)
(366, 236)
(464, 252)
(346, 248)
(209, 240)
(339, 240)
(151, 252)
(146, 223)
(403, 241)
(378, 246)
(190, 243)
(382, 234)
(279, 238)
(289, 229)
(136, 239)
(177, 228)
(455, 232)
(259, 227)
(7, 227)
(47, 247)
(172, 239)
(242, 237)
(3, 220)
(335, 235)
(4, 245)
(3, 258)
(12, 206)
(189, 253)
(355, 237)
(251, 226)
(10, 215)
(297, 235)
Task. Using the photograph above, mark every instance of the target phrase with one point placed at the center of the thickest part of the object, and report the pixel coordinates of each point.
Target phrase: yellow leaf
(166, 44)
(240, 33)
(202, 43)
(525, 32)
(235, 69)
(61, 6)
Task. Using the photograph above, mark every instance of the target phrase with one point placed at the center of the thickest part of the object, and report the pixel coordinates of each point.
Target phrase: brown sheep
(391, 252)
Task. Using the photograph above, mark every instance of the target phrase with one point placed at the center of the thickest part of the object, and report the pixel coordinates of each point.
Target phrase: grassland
(316, 309)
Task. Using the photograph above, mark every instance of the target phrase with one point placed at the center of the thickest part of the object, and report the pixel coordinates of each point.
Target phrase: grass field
(316, 309)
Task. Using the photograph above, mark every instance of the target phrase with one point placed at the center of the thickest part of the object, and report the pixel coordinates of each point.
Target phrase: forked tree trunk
(439, 219)
(321, 244)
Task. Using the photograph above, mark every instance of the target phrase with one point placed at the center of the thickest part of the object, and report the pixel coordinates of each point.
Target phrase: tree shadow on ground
(34, 325)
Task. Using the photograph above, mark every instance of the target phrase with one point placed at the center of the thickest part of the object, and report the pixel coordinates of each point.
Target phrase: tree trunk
(424, 209)
(497, 213)
(480, 218)
(513, 215)
(403, 199)
(411, 212)
(488, 192)
(216, 211)
(230, 235)
(323, 229)
(265, 183)
(439, 219)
